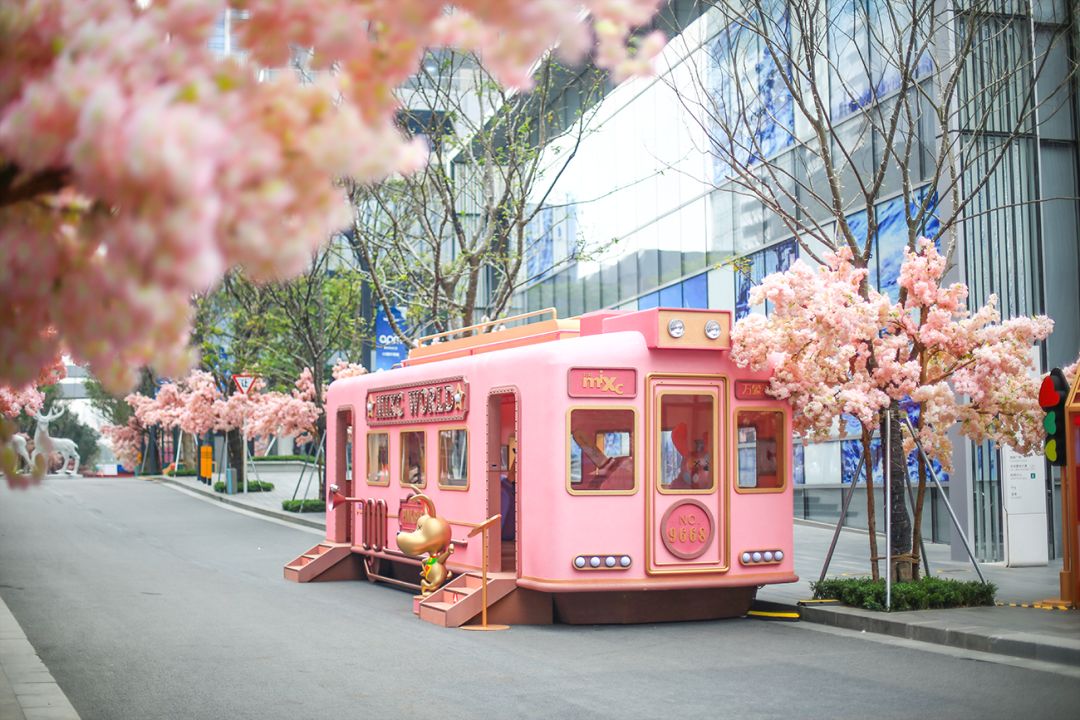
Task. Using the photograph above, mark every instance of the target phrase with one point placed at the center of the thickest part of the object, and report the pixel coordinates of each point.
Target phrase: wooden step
(316, 561)
(442, 609)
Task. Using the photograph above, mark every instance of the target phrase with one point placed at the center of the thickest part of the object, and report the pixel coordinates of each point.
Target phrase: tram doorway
(503, 477)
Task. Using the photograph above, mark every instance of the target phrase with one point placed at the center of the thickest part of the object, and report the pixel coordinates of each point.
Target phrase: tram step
(315, 562)
(460, 600)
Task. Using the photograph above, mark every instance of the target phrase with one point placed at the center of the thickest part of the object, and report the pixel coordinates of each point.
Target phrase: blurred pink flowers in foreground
(136, 167)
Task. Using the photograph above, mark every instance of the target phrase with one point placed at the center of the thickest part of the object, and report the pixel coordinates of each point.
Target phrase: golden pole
(485, 528)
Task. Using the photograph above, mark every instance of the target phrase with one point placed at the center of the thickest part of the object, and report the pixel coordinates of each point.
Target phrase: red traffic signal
(1052, 395)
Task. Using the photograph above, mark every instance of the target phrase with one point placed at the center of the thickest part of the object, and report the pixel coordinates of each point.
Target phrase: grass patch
(924, 594)
(308, 505)
(280, 458)
(252, 486)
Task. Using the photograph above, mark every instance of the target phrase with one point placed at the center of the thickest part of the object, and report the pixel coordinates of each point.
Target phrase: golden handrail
(489, 323)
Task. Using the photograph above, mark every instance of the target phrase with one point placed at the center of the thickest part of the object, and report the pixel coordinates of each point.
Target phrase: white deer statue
(43, 444)
(18, 440)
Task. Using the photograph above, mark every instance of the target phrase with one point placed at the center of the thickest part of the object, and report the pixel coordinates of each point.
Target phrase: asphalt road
(147, 603)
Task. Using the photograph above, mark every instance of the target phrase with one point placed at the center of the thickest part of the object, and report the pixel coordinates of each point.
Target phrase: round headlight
(756, 556)
(768, 556)
(778, 555)
(594, 562)
(712, 329)
(579, 562)
(746, 557)
(625, 561)
(610, 561)
(676, 328)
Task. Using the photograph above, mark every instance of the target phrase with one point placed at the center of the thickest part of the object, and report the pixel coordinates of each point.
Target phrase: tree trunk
(234, 442)
(151, 460)
(188, 451)
(900, 564)
(871, 510)
(916, 534)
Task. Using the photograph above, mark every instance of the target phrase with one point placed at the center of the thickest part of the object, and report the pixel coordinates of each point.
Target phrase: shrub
(294, 458)
(182, 472)
(252, 486)
(924, 594)
(308, 505)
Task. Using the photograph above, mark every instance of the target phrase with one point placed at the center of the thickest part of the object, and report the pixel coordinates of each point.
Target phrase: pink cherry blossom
(144, 166)
(834, 352)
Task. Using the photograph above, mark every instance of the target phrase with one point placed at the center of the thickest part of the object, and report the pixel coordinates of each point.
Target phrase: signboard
(1023, 499)
(751, 390)
(435, 401)
(389, 350)
(687, 529)
(244, 382)
(409, 511)
(601, 382)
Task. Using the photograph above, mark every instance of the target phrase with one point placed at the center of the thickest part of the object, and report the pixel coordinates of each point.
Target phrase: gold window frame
(422, 431)
(367, 460)
(781, 457)
(714, 393)
(635, 447)
(438, 457)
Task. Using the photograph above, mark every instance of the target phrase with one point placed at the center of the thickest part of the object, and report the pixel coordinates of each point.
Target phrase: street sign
(244, 382)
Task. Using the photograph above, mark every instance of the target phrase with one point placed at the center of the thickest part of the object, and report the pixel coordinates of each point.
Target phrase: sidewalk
(264, 503)
(1037, 634)
(1024, 632)
(27, 688)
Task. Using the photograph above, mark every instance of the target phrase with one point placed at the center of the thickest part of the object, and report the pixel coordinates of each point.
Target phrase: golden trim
(738, 580)
(489, 323)
(438, 459)
(389, 459)
(631, 406)
(715, 394)
(721, 384)
(781, 458)
(401, 460)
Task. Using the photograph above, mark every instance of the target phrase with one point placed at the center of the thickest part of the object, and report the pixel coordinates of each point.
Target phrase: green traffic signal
(1050, 423)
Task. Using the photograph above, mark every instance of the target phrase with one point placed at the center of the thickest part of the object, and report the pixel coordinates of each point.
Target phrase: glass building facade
(646, 215)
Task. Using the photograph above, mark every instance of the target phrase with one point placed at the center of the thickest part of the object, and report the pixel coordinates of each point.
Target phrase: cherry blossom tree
(838, 347)
(136, 166)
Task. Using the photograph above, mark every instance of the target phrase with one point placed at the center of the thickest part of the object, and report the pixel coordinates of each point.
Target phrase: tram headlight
(746, 557)
(676, 328)
(712, 329)
(579, 562)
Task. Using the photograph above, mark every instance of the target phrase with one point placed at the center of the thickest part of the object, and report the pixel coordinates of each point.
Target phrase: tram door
(686, 504)
(502, 478)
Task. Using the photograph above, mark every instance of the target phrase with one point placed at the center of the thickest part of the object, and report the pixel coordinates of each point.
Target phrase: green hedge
(927, 593)
(293, 458)
(182, 472)
(252, 486)
(308, 505)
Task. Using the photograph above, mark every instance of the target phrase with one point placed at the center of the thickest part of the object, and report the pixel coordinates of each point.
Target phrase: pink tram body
(640, 475)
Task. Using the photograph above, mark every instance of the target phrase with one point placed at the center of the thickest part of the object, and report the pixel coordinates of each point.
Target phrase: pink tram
(640, 475)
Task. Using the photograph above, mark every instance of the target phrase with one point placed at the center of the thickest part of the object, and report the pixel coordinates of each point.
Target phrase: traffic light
(1052, 396)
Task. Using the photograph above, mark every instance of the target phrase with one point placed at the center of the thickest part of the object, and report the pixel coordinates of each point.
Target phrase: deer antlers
(49, 417)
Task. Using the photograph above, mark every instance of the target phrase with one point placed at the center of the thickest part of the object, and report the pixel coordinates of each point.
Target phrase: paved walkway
(1026, 632)
(1035, 634)
(27, 688)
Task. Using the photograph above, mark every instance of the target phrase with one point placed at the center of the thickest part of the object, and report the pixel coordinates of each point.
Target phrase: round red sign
(687, 529)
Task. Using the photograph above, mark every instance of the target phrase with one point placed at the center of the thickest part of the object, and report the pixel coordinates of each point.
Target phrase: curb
(27, 689)
(1030, 646)
(227, 500)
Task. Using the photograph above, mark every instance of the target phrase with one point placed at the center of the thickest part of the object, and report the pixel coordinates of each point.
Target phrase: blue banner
(389, 350)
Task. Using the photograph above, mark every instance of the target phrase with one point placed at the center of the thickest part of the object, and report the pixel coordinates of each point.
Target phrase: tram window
(687, 432)
(760, 449)
(413, 458)
(601, 450)
(454, 458)
(378, 459)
